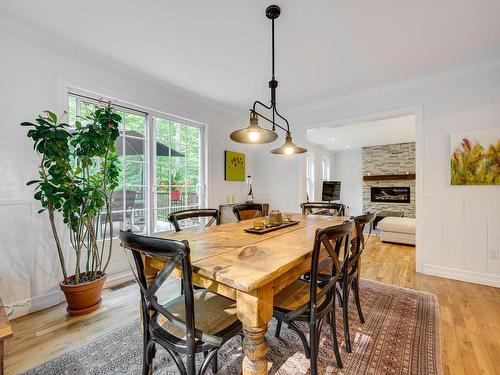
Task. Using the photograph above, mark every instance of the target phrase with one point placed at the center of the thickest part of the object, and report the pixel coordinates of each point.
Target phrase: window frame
(150, 139)
(310, 176)
(326, 168)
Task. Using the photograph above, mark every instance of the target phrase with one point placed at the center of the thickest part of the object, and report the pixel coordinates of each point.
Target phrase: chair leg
(358, 302)
(339, 296)
(302, 336)
(148, 355)
(333, 332)
(145, 365)
(278, 328)
(178, 361)
(215, 363)
(210, 358)
(345, 311)
(313, 346)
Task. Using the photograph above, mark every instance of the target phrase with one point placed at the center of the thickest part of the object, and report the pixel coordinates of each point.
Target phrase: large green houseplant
(78, 172)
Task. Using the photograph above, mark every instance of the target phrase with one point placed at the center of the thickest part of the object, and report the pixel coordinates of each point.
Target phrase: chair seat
(213, 314)
(294, 296)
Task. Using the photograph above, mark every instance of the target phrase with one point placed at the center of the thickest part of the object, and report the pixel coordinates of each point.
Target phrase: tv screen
(331, 191)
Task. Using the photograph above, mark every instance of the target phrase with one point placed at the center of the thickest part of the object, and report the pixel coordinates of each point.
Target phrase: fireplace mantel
(386, 177)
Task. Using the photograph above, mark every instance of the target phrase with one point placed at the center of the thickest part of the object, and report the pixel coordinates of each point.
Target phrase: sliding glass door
(178, 170)
(162, 168)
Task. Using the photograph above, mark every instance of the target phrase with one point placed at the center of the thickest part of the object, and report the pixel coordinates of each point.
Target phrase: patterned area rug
(400, 336)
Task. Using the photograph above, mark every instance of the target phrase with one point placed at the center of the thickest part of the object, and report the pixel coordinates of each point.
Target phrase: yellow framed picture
(235, 166)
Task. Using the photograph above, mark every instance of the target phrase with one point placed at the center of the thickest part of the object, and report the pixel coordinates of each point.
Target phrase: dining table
(250, 269)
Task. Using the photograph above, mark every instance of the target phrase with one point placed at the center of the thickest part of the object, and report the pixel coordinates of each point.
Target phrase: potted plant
(77, 175)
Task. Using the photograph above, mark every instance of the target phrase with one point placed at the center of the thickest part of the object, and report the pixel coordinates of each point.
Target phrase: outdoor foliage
(78, 172)
(172, 172)
(471, 164)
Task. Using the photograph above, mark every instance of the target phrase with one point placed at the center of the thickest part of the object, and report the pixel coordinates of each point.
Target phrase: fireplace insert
(390, 194)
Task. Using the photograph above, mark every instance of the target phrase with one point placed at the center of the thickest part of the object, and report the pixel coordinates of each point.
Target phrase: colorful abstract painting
(475, 157)
(235, 166)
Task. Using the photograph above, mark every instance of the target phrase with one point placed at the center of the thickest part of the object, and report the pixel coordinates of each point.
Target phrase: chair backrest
(358, 245)
(178, 255)
(319, 208)
(248, 211)
(330, 240)
(361, 221)
(175, 217)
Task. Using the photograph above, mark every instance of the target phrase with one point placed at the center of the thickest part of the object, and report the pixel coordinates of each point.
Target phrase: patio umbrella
(135, 146)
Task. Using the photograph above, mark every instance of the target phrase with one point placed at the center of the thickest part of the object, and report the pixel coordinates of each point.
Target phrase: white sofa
(397, 229)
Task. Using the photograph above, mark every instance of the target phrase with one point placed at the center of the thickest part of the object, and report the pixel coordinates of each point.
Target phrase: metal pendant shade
(253, 133)
(289, 148)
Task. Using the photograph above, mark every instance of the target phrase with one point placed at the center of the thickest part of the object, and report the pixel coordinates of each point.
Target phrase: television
(330, 191)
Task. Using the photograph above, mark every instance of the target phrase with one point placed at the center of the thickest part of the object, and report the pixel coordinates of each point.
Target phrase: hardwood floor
(469, 315)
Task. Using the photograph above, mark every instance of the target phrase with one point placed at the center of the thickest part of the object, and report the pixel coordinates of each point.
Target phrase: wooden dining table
(250, 269)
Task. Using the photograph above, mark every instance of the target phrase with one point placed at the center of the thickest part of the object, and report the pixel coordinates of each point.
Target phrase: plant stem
(108, 209)
(58, 243)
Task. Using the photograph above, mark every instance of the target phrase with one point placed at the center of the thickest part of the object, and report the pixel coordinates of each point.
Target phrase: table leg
(255, 310)
(1, 357)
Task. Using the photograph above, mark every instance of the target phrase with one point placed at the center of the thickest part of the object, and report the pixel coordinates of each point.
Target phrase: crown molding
(64, 46)
(422, 81)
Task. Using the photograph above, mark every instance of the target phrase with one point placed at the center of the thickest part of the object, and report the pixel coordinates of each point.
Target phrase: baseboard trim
(56, 296)
(119, 278)
(462, 275)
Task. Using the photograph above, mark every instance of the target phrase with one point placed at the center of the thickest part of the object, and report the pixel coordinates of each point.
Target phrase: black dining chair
(211, 213)
(175, 217)
(314, 300)
(351, 272)
(248, 211)
(195, 322)
(322, 208)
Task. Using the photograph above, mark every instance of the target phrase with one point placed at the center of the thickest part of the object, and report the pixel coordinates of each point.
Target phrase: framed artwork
(475, 157)
(234, 166)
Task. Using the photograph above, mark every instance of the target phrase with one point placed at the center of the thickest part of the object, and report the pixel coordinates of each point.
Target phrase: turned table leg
(255, 310)
(1, 357)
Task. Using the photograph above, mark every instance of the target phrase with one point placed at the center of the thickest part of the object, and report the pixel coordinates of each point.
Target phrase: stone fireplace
(382, 188)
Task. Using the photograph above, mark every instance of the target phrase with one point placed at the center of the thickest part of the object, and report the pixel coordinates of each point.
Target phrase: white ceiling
(221, 49)
(363, 134)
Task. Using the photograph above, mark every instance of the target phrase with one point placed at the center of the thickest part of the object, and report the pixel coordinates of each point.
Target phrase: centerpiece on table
(78, 172)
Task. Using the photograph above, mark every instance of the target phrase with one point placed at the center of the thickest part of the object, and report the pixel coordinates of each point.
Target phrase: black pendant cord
(272, 47)
(273, 84)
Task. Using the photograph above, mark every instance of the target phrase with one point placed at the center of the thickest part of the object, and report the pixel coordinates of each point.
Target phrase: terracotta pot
(83, 298)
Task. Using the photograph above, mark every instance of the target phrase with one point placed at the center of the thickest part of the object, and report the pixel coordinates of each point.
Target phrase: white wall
(319, 153)
(457, 226)
(34, 76)
(348, 169)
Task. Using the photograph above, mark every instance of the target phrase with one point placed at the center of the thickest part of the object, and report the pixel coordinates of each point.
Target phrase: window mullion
(151, 138)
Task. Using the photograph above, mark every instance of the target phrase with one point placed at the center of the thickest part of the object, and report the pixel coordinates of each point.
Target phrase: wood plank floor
(469, 315)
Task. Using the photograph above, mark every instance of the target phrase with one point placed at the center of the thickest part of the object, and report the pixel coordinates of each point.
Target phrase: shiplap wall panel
(476, 243)
(18, 252)
(454, 232)
(493, 212)
(432, 225)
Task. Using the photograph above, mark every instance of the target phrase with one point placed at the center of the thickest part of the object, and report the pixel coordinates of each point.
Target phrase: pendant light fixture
(255, 134)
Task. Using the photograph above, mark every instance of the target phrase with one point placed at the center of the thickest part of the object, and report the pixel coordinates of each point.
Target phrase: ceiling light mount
(253, 133)
(273, 12)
